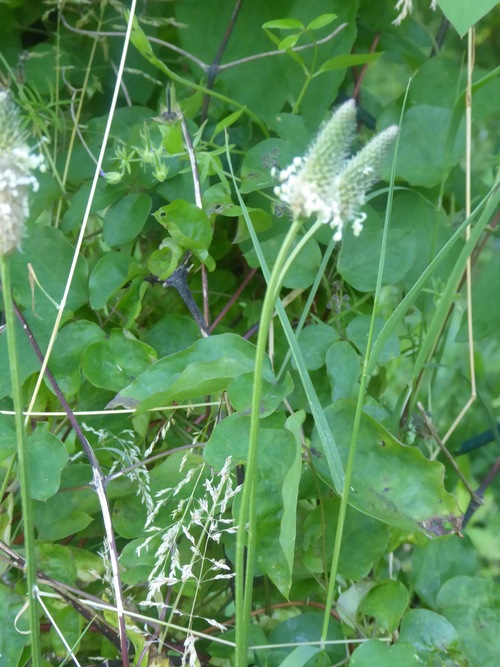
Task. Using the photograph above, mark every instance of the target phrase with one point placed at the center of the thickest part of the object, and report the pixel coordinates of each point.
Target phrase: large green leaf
(279, 466)
(204, 368)
(463, 14)
(267, 85)
(359, 257)
(391, 482)
(46, 258)
(434, 638)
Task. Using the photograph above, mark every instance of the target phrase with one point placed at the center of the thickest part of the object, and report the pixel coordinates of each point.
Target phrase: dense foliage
(141, 275)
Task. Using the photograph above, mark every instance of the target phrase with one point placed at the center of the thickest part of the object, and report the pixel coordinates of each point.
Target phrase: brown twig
(477, 500)
(430, 427)
(98, 483)
(232, 300)
(70, 596)
(214, 68)
(359, 81)
(202, 65)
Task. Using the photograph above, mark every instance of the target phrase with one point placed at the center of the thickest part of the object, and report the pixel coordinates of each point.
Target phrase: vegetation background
(141, 277)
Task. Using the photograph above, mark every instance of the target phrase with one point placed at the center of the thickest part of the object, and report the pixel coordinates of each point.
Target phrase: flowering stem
(247, 513)
(26, 503)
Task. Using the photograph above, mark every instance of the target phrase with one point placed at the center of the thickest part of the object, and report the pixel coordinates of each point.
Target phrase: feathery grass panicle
(405, 7)
(329, 185)
(16, 165)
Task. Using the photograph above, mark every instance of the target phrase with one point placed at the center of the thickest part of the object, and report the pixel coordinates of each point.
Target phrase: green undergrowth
(142, 274)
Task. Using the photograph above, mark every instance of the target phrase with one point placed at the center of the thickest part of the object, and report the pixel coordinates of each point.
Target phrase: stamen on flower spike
(329, 185)
(16, 165)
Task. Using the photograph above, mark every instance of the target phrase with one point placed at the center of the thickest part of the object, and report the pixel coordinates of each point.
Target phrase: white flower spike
(326, 183)
(16, 165)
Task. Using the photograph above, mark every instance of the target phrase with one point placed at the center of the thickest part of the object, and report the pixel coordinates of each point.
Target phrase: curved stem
(247, 514)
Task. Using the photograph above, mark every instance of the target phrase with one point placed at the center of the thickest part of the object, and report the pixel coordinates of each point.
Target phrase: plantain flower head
(327, 183)
(16, 165)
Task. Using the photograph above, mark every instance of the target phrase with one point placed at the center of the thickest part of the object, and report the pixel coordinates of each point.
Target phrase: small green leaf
(205, 258)
(439, 560)
(66, 357)
(321, 21)
(56, 560)
(8, 437)
(46, 457)
(343, 369)
(110, 274)
(304, 268)
(229, 438)
(375, 653)
(139, 39)
(358, 329)
(227, 122)
(363, 542)
(359, 257)
(386, 602)
(486, 311)
(116, 361)
(125, 219)
(172, 333)
(57, 517)
(314, 341)
(423, 156)
(15, 633)
(284, 24)
(240, 394)
(305, 629)
(188, 225)
(300, 656)
(164, 261)
(347, 60)
(279, 464)
(260, 160)
(289, 42)
(69, 625)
